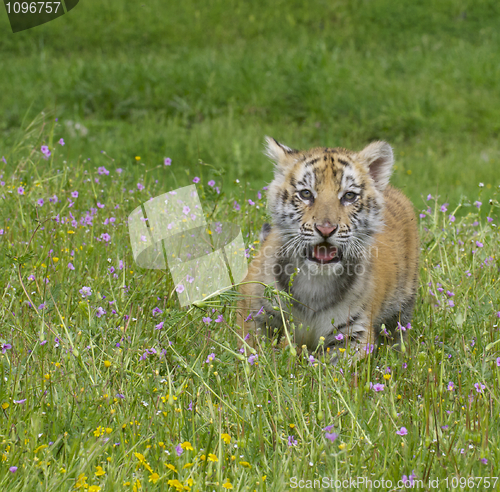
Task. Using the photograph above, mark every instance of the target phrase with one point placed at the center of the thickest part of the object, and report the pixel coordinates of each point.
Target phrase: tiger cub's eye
(305, 194)
(350, 196)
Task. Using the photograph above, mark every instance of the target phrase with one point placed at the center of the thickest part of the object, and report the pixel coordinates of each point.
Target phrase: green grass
(208, 82)
(202, 84)
(82, 391)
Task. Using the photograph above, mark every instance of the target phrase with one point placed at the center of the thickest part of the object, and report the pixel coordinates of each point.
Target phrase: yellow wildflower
(212, 457)
(187, 445)
(175, 483)
(81, 482)
(226, 438)
(100, 472)
(171, 467)
(140, 457)
(94, 488)
(107, 363)
(5, 406)
(154, 477)
(39, 448)
(245, 464)
(227, 485)
(188, 465)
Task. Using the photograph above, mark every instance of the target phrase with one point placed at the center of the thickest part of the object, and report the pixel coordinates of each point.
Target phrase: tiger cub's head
(327, 202)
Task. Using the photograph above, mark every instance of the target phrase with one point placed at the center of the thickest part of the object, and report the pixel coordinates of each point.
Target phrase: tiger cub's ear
(277, 152)
(379, 159)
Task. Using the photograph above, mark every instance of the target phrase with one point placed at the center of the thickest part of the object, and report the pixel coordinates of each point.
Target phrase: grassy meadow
(107, 384)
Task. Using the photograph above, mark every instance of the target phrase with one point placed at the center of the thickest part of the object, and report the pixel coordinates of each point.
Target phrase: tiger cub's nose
(326, 229)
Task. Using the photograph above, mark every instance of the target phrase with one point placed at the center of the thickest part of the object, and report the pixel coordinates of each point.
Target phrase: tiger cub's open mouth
(324, 253)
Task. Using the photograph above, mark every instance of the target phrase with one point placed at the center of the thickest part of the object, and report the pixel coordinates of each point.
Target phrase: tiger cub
(343, 243)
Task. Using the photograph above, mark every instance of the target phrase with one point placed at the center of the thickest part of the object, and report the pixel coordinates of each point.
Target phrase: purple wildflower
(478, 204)
(13, 469)
(403, 328)
(180, 289)
(402, 432)
(211, 183)
(339, 337)
(498, 361)
(479, 387)
(105, 237)
(252, 359)
(5, 347)
(74, 194)
(292, 441)
(178, 449)
(85, 291)
(444, 207)
(409, 480)
(331, 436)
(219, 319)
(207, 320)
(167, 161)
(45, 151)
(378, 387)
(40, 202)
(102, 170)
(159, 326)
(61, 141)
(100, 312)
(196, 179)
(451, 386)
(140, 186)
(236, 206)
(157, 311)
(210, 358)
(20, 190)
